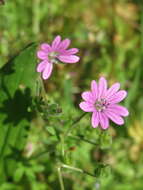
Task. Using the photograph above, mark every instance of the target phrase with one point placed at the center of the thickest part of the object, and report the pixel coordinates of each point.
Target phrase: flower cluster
(102, 102)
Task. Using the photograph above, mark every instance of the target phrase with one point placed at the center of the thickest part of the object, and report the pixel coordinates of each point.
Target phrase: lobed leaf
(17, 87)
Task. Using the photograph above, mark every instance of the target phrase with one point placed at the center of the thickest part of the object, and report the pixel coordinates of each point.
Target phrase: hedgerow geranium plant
(24, 102)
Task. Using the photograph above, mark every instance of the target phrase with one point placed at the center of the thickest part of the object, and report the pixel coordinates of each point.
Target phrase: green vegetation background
(109, 35)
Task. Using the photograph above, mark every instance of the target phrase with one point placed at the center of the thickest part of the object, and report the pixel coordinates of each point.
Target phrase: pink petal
(119, 110)
(87, 107)
(45, 47)
(41, 66)
(70, 51)
(64, 45)
(104, 121)
(88, 96)
(42, 55)
(69, 59)
(47, 71)
(95, 119)
(117, 97)
(94, 89)
(56, 42)
(113, 89)
(115, 118)
(102, 87)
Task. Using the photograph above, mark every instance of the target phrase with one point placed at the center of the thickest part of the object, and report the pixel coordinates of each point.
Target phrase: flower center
(101, 104)
(52, 56)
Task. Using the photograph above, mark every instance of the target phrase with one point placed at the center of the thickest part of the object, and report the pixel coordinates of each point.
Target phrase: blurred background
(109, 34)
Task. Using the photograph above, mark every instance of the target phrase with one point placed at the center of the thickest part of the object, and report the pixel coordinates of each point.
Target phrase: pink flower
(50, 54)
(103, 103)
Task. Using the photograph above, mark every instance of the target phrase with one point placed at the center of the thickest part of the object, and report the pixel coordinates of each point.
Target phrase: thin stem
(42, 153)
(77, 169)
(83, 139)
(36, 16)
(141, 12)
(60, 178)
(62, 146)
(72, 168)
(73, 124)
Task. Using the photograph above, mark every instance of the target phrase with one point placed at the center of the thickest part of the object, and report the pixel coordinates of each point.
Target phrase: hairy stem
(60, 178)
(77, 169)
(74, 124)
(83, 139)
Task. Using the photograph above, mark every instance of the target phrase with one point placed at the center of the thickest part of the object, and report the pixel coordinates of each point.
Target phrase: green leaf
(18, 79)
(30, 174)
(18, 174)
(105, 140)
(101, 170)
(105, 171)
(51, 130)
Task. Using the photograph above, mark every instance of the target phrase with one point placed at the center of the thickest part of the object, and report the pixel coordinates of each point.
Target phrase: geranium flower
(103, 103)
(54, 53)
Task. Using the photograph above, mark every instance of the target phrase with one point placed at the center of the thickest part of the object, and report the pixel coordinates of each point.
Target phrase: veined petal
(42, 55)
(69, 51)
(41, 66)
(56, 42)
(102, 87)
(68, 58)
(119, 110)
(45, 47)
(112, 90)
(117, 97)
(47, 71)
(64, 45)
(95, 119)
(94, 89)
(87, 107)
(104, 121)
(88, 96)
(115, 118)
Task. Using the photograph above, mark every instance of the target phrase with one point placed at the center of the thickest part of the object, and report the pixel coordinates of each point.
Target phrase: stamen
(101, 104)
(52, 57)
